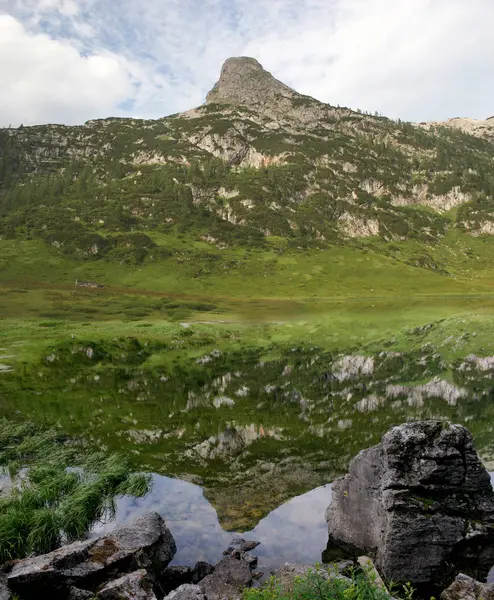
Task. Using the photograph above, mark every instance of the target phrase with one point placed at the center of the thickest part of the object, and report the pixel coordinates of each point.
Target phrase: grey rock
(132, 586)
(4, 590)
(234, 572)
(148, 539)
(251, 561)
(173, 577)
(201, 570)
(466, 588)
(230, 578)
(215, 588)
(145, 543)
(186, 592)
(420, 502)
(78, 594)
(245, 545)
(244, 81)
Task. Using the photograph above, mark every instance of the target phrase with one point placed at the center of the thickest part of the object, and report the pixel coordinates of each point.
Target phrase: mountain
(258, 166)
(482, 128)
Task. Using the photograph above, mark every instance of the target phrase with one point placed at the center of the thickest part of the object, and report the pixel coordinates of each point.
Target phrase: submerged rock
(420, 502)
(466, 588)
(146, 543)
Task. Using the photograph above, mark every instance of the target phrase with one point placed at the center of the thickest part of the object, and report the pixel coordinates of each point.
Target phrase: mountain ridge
(256, 163)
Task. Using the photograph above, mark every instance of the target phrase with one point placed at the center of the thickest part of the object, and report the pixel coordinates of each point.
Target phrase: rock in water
(466, 588)
(146, 543)
(420, 502)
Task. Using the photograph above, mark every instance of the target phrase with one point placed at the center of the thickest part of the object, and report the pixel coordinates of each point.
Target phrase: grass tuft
(59, 489)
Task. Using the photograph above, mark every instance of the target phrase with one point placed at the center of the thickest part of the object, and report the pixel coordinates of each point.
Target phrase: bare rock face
(420, 502)
(146, 543)
(244, 81)
(466, 588)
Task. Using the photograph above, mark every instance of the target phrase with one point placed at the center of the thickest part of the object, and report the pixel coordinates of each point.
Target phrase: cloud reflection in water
(295, 531)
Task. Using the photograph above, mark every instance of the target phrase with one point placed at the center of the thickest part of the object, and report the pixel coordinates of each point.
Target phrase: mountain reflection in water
(294, 532)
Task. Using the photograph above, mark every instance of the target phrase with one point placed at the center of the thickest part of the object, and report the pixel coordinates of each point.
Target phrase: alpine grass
(56, 488)
(326, 583)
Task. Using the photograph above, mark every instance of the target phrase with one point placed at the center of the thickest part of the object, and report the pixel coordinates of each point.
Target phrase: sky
(68, 61)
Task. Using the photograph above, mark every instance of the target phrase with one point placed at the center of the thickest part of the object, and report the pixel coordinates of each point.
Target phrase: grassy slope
(203, 270)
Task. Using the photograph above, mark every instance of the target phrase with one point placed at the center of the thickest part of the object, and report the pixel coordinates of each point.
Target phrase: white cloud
(45, 80)
(414, 59)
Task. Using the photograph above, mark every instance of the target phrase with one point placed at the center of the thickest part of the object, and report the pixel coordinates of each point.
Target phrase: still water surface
(294, 532)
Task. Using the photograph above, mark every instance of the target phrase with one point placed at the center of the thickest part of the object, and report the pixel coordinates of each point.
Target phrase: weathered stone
(173, 577)
(145, 543)
(201, 569)
(234, 572)
(230, 578)
(251, 561)
(244, 81)
(4, 590)
(186, 592)
(421, 502)
(132, 586)
(78, 594)
(244, 545)
(367, 564)
(466, 588)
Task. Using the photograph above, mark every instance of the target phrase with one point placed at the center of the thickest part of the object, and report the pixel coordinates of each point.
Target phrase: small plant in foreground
(325, 583)
(58, 489)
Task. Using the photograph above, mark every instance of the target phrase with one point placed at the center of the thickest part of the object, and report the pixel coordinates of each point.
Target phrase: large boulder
(466, 588)
(420, 502)
(146, 543)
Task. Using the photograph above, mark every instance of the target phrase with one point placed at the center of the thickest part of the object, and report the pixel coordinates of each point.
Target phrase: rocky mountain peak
(243, 80)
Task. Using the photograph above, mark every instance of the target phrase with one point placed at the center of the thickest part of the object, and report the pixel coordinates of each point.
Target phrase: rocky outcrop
(421, 502)
(244, 81)
(145, 544)
(355, 226)
(466, 588)
(482, 128)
